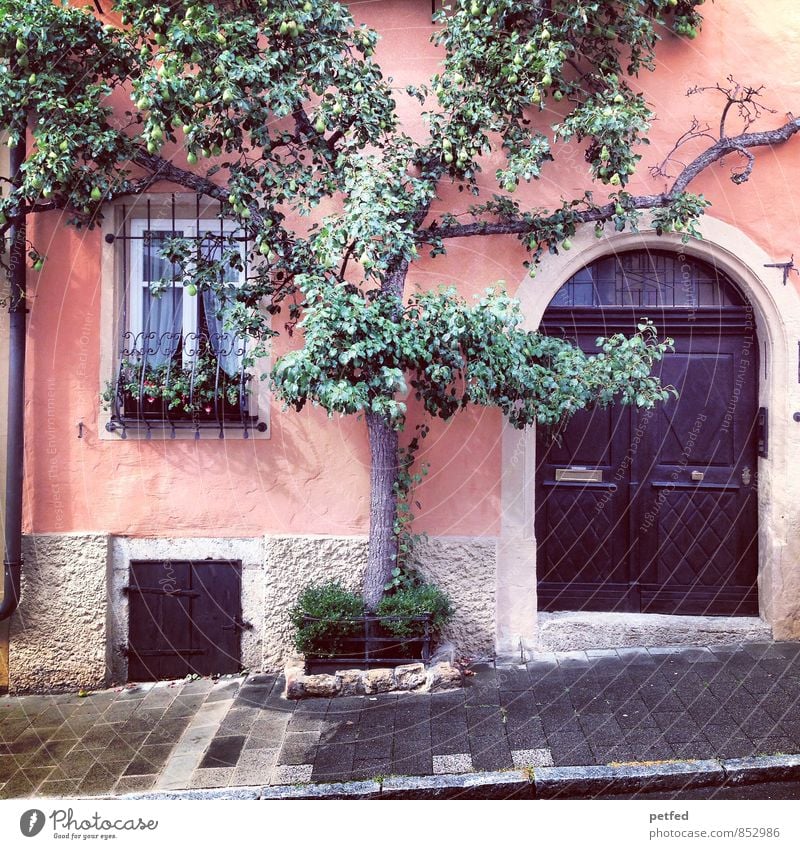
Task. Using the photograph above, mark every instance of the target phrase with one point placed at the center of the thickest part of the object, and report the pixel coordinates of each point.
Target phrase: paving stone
(186, 702)
(9, 764)
(76, 763)
(135, 784)
(482, 694)
(560, 722)
(122, 750)
(372, 747)
(10, 730)
(223, 690)
(102, 736)
(450, 745)
(223, 752)
(17, 786)
(379, 716)
(266, 733)
(513, 679)
(531, 757)
(306, 722)
(485, 721)
(522, 737)
(255, 767)
(212, 777)
(569, 749)
(413, 726)
(334, 763)
(600, 726)
(298, 748)
(339, 733)
(26, 743)
(446, 704)
(292, 774)
(489, 754)
(99, 779)
(698, 749)
(159, 697)
(412, 764)
(47, 755)
(450, 764)
(142, 720)
(253, 696)
(149, 759)
(774, 745)
(178, 771)
(168, 731)
(120, 711)
(683, 734)
(57, 789)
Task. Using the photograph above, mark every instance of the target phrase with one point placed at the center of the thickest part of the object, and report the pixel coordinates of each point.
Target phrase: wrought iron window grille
(195, 375)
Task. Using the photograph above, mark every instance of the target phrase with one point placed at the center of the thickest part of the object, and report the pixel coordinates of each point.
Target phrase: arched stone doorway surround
(777, 318)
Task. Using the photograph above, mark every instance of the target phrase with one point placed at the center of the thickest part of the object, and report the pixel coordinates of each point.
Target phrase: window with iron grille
(181, 363)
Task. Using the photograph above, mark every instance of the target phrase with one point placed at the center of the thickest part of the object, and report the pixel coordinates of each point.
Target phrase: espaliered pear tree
(278, 110)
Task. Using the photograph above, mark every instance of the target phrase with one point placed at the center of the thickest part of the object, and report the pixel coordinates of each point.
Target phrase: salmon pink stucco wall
(312, 475)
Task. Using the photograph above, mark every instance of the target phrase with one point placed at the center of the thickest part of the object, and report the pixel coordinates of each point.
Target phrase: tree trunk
(382, 552)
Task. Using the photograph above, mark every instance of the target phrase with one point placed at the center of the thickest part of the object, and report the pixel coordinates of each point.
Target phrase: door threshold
(579, 630)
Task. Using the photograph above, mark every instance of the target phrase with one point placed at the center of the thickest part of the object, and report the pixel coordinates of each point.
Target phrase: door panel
(184, 618)
(671, 524)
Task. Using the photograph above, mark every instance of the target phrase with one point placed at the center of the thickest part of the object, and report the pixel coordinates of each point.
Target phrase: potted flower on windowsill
(170, 390)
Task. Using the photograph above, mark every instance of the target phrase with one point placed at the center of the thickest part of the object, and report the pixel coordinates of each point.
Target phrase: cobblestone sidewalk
(567, 709)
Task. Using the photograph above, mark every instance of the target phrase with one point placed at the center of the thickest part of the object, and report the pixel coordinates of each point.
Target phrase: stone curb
(553, 781)
(472, 785)
(538, 783)
(765, 768)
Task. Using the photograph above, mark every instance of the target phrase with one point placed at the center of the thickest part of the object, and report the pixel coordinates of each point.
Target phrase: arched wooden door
(655, 510)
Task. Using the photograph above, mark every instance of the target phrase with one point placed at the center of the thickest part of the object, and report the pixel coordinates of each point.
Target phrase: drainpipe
(12, 561)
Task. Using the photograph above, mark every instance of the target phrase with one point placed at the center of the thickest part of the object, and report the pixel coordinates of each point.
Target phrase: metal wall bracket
(762, 432)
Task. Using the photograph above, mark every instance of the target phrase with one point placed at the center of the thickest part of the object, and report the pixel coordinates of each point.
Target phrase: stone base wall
(291, 563)
(465, 568)
(59, 634)
(71, 629)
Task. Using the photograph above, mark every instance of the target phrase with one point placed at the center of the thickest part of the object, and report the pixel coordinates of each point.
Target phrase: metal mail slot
(580, 475)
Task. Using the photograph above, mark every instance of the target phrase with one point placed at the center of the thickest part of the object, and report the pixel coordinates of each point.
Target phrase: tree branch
(719, 150)
(163, 169)
(733, 144)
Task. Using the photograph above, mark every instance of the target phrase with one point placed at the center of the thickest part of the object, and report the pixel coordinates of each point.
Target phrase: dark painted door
(656, 511)
(184, 618)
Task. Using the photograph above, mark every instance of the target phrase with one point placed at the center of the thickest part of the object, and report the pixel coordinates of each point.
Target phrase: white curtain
(163, 320)
(226, 344)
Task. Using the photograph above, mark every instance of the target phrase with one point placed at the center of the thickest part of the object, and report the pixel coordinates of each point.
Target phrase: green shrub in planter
(415, 601)
(332, 604)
